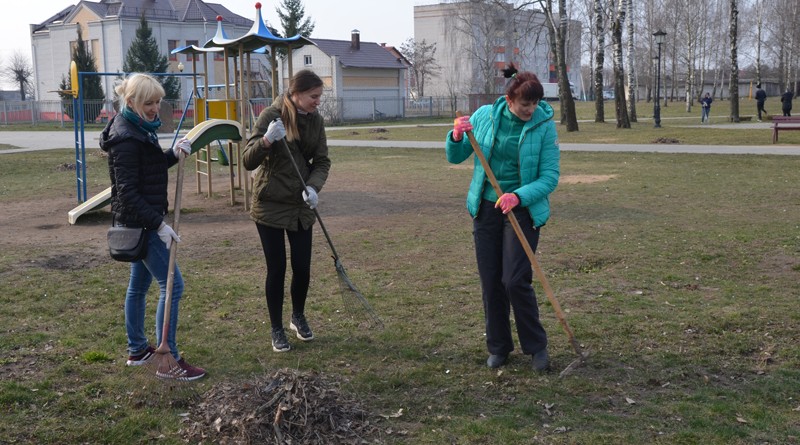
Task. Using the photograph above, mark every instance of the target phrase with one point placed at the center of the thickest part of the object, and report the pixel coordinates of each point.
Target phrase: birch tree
(558, 36)
(619, 69)
(600, 32)
(734, 83)
(632, 83)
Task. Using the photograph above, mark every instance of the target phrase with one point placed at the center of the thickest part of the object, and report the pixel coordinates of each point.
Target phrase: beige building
(475, 40)
(363, 80)
(109, 27)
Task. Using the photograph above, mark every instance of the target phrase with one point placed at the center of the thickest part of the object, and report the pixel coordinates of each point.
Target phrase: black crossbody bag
(127, 244)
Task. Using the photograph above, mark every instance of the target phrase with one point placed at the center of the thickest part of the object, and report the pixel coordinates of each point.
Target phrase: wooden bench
(780, 123)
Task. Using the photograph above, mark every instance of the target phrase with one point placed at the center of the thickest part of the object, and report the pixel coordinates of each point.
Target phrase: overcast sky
(381, 21)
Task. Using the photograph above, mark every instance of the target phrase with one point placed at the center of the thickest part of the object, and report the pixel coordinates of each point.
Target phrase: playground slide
(97, 201)
(200, 136)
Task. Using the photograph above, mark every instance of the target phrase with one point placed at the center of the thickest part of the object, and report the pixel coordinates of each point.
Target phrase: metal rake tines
(352, 298)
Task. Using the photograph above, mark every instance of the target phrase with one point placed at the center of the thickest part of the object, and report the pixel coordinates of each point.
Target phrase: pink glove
(461, 125)
(507, 202)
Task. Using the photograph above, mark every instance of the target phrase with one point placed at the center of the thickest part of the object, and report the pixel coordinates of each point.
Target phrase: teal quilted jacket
(538, 157)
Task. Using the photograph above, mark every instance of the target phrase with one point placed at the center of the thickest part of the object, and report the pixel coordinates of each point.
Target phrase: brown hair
(524, 85)
(301, 82)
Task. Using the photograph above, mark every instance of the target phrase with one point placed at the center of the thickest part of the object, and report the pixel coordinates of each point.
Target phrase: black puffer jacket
(138, 170)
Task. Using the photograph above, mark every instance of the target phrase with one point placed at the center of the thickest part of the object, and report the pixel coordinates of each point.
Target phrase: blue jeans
(156, 264)
(704, 116)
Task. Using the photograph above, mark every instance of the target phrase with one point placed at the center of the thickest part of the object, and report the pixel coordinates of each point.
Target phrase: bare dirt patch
(584, 179)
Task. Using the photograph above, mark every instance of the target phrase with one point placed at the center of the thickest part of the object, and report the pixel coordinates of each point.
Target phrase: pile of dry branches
(289, 407)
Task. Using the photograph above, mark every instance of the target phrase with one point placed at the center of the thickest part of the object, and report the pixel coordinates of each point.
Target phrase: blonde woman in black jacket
(281, 208)
(138, 169)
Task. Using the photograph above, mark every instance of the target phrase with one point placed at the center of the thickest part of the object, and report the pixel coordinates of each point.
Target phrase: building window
(219, 55)
(190, 57)
(307, 60)
(86, 45)
(171, 45)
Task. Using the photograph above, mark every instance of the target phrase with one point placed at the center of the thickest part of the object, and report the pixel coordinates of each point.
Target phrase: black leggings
(272, 241)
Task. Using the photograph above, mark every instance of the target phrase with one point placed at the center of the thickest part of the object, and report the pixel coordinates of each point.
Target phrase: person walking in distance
(786, 102)
(518, 137)
(138, 169)
(281, 208)
(761, 98)
(705, 103)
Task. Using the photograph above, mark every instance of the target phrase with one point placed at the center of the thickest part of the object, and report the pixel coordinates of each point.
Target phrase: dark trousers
(506, 276)
(760, 107)
(274, 245)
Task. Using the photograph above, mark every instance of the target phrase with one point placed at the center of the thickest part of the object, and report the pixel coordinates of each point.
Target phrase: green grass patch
(678, 272)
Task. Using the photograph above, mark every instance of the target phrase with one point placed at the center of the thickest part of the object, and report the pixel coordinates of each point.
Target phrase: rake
(532, 257)
(162, 364)
(352, 298)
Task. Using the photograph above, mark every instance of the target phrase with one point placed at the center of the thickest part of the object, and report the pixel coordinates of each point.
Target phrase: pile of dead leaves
(288, 407)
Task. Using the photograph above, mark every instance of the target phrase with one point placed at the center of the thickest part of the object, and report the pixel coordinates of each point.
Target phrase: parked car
(608, 94)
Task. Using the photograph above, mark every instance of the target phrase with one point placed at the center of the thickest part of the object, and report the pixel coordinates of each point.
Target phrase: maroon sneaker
(140, 359)
(184, 372)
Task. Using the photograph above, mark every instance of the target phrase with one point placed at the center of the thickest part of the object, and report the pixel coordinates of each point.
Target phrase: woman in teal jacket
(518, 137)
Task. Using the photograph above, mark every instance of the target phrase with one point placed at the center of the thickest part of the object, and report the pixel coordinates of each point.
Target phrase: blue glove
(310, 197)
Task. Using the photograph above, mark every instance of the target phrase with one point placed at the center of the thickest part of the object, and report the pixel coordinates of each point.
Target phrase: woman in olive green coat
(281, 207)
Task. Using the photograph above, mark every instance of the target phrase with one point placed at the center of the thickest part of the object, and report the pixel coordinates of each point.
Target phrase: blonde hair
(137, 89)
(302, 81)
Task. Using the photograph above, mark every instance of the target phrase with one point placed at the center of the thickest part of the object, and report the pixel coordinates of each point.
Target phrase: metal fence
(336, 110)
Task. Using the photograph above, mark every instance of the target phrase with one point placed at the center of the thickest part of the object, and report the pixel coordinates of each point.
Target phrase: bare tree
(631, 65)
(619, 69)
(422, 56)
(600, 33)
(19, 72)
(558, 40)
(480, 23)
(734, 84)
(759, 31)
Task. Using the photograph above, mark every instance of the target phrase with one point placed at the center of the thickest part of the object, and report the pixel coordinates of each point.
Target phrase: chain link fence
(336, 110)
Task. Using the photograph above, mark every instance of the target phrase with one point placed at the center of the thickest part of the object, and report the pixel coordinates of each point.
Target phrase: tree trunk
(759, 25)
(599, 108)
(567, 101)
(734, 84)
(619, 69)
(632, 86)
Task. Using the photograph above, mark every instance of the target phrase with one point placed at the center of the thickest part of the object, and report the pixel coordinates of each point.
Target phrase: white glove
(275, 131)
(310, 197)
(166, 234)
(182, 148)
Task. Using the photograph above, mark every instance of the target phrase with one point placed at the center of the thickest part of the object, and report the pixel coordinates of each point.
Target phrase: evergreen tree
(143, 57)
(291, 14)
(91, 87)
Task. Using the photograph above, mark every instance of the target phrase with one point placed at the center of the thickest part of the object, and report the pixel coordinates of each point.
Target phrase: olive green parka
(277, 190)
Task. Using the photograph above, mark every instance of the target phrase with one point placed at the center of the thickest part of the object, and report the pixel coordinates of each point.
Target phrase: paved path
(49, 140)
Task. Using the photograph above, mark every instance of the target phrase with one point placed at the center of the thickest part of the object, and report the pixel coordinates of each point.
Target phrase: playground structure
(234, 107)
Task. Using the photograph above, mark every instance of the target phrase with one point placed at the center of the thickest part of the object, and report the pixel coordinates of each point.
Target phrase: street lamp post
(180, 68)
(659, 38)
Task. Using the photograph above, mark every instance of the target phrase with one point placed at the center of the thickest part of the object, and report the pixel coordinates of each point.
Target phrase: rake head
(353, 300)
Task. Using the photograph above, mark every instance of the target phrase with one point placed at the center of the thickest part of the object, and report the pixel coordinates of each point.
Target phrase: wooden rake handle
(163, 346)
(525, 244)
